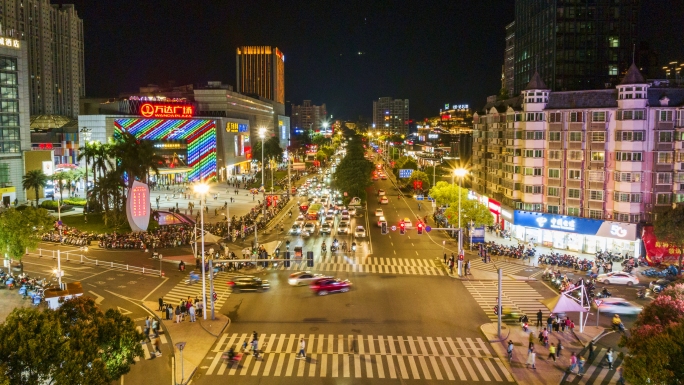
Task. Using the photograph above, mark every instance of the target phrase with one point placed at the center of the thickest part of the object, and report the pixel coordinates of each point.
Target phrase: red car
(330, 285)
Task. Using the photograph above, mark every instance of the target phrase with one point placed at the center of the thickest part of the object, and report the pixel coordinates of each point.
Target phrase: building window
(595, 214)
(552, 209)
(555, 117)
(529, 206)
(665, 116)
(664, 178)
(554, 136)
(598, 136)
(598, 116)
(575, 155)
(554, 154)
(621, 217)
(574, 174)
(663, 198)
(533, 189)
(612, 70)
(596, 195)
(628, 156)
(613, 42)
(574, 211)
(598, 156)
(575, 136)
(630, 114)
(553, 191)
(664, 157)
(629, 136)
(573, 193)
(554, 173)
(534, 153)
(9, 106)
(534, 135)
(535, 117)
(576, 116)
(596, 176)
(534, 171)
(626, 197)
(627, 176)
(665, 136)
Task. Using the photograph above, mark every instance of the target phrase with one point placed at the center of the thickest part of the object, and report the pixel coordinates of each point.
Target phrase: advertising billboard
(138, 206)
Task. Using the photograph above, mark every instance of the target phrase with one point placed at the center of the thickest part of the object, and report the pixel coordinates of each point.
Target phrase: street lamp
(202, 189)
(460, 173)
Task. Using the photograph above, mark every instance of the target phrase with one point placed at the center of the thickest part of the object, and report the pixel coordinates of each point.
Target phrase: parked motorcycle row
(565, 260)
(520, 252)
(29, 288)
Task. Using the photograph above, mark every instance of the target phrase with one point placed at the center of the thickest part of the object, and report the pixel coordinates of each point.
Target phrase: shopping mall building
(201, 133)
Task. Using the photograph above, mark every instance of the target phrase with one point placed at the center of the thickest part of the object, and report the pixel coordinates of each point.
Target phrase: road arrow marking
(98, 298)
(124, 311)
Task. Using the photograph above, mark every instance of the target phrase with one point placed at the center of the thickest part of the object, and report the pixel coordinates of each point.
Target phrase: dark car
(658, 285)
(248, 283)
(330, 285)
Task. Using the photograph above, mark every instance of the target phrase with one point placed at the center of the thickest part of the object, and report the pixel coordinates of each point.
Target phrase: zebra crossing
(596, 371)
(183, 290)
(517, 296)
(378, 265)
(505, 266)
(148, 344)
(359, 356)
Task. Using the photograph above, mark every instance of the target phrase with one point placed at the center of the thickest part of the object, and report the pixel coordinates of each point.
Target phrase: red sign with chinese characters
(150, 110)
(138, 206)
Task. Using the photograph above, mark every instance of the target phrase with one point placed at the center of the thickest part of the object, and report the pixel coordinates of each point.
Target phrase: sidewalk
(547, 371)
(198, 336)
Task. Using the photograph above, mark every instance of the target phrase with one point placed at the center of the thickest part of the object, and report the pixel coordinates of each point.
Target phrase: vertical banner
(138, 206)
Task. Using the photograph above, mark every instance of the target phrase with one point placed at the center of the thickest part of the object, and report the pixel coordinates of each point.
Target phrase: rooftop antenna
(633, 52)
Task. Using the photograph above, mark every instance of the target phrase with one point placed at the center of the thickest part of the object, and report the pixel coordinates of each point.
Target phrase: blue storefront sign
(557, 222)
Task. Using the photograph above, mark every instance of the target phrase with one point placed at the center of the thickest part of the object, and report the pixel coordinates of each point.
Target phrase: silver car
(343, 228)
(304, 278)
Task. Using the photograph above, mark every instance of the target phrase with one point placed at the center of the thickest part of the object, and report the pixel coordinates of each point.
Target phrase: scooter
(642, 294)
(193, 278)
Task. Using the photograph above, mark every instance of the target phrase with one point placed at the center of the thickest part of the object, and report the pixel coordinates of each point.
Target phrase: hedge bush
(75, 201)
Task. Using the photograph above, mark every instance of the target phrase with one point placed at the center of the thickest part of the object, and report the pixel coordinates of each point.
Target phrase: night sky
(431, 52)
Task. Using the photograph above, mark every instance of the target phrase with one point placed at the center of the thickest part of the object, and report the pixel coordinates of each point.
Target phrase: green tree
(87, 153)
(352, 175)
(445, 193)
(421, 176)
(34, 179)
(320, 140)
(669, 227)
(75, 344)
(471, 210)
(135, 157)
(102, 157)
(656, 341)
(58, 180)
(21, 230)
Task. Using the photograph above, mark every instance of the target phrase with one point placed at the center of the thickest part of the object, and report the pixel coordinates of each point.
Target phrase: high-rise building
(54, 37)
(391, 115)
(15, 132)
(577, 170)
(574, 45)
(509, 60)
(261, 71)
(309, 117)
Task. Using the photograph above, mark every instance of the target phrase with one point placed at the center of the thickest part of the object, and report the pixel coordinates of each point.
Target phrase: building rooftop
(536, 83)
(583, 99)
(633, 76)
(49, 122)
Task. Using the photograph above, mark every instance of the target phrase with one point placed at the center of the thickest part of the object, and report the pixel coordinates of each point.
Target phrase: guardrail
(82, 259)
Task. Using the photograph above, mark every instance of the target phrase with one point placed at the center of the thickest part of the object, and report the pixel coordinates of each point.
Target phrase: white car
(352, 211)
(407, 223)
(310, 227)
(380, 220)
(360, 232)
(381, 192)
(619, 306)
(300, 220)
(325, 229)
(345, 216)
(296, 229)
(329, 219)
(304, 278)
(618, 277)
(343, 228)
(383, 200)
(379, 213)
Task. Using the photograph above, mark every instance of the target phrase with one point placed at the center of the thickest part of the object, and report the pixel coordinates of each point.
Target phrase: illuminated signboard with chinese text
(138, 206)
(150, 110)
(6, 42)
(235, 127)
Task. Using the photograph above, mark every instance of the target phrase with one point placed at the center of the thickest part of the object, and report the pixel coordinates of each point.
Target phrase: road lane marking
(98, 299)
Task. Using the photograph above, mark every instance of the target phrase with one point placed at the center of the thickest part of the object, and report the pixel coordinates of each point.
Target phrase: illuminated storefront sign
(459, 107)
(6, 42)
(150, 110)
(234, 127)
(585, 226)
(494, 206)
(138, 206)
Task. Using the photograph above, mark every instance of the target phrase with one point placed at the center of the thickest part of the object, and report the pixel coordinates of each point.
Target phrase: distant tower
(261, 71)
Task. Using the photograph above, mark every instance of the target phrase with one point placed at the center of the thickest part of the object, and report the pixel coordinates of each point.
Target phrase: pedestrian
(161, 303)
(255, 347)
(591, 348)
(178, 314)
(510, 350)
(539, 318)
(192, 313)
(468, 267)
(621, 379)
(157, 347)
(244, 346)
(302, 349)
(559, 347)
(531, 341)
(549, 322)
(552, 352)
(146, 334)
(531, 356)
(445, 258)
(580, 365)
(451, 266)
(155, 328)
(254, 335)
(573, 362)
(148, 322)
(609, 358)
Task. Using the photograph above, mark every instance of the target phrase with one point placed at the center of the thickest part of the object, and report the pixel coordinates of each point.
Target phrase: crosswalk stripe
(424, 367)
(324, 365)
(481, 370)
(345, 366)
(379, 366)
(357, 365)
(490, 366)
(470, 370)
(435, 367)
(459, 370)
(279, 365)
(268, 359)
(447, 369)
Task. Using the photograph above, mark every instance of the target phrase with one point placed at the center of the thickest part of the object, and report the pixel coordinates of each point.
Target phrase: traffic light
(287, 259)
(309, 259)
(383, 228)
(420, 228)
(402, 228)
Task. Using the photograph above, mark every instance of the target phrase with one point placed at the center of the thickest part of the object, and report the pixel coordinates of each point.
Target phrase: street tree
(58, 179)
(419, 176)
(134, 157)
(352, 175)
(656, 341)
(445, 193)
(472, 211)
(669, 227)
(22, 230)
(272, 149)
(75, 344)
(34, 179)
(87, 153)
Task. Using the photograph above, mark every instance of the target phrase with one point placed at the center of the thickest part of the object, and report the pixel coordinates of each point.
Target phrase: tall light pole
(202, 189)
(460, 173)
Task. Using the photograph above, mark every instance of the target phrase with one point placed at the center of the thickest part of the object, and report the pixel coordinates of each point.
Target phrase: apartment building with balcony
(578, 170)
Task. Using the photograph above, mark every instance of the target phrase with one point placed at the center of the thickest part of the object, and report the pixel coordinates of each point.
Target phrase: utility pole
(498, 304)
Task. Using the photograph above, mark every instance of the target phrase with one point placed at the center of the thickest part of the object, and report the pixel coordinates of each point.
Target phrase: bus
(314, 212)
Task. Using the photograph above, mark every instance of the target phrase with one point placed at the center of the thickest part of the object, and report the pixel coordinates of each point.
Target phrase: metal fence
(83, 260)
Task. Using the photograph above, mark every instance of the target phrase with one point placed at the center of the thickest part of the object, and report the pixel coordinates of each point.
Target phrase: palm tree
(102, 159)
(86, 153)
(34, 179)
(135, 157)
(59, 177)
(69, 177)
